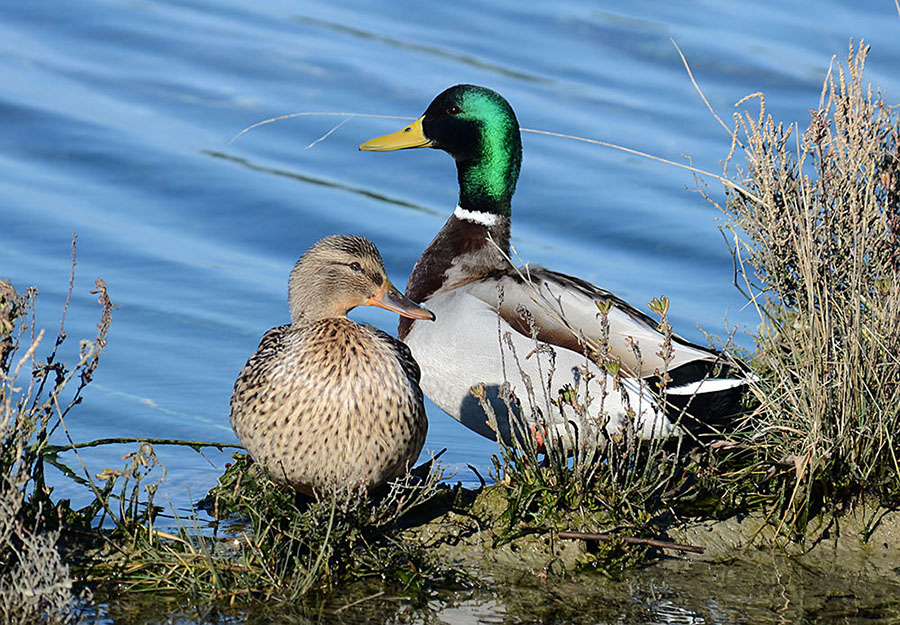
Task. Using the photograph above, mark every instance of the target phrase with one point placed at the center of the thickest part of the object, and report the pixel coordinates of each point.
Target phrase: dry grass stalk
(817, 247)
(34, 582)
(599, 481)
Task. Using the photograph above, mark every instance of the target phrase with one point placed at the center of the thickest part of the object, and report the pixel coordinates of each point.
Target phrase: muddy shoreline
(865, 540)
(744, 575)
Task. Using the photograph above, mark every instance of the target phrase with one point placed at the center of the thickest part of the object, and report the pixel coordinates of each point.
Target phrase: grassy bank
(813, 219)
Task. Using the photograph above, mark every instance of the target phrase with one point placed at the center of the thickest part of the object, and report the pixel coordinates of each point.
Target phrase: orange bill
(392, 299)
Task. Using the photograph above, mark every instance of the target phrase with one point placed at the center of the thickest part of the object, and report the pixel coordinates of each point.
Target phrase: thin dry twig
(632, 540)
(725, 181)
(699, 90)
(312, 114)
(329, 133)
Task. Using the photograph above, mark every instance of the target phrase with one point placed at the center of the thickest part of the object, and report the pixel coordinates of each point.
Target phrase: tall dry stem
(818, 249)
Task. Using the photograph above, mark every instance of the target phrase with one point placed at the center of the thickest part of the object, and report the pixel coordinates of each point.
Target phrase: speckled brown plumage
(327, 403)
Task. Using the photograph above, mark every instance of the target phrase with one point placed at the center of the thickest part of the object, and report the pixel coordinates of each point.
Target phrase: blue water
(116, 116)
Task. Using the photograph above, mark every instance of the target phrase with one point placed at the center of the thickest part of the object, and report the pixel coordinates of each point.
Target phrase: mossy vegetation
(268, 543)
(814, 223)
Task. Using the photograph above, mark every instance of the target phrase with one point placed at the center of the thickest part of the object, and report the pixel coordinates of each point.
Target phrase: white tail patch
(712, 385)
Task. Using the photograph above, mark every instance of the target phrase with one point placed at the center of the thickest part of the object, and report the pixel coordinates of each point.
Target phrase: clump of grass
(816, 232)
(34, 581)
(270, 544)
(38, 585)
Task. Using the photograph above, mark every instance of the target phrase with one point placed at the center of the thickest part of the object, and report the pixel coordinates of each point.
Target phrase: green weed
(271, 544)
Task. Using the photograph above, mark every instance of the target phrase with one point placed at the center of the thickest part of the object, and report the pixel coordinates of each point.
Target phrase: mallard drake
(533, 328)
(326, 403)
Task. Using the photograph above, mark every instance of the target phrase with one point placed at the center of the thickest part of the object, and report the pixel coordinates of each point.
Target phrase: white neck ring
(478, 217)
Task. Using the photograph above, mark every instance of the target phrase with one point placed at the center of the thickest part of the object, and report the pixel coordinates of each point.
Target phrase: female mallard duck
(326, 403)
(536, 332)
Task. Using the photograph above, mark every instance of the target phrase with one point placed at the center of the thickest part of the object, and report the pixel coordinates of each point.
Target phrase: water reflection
(320, 182)
(756, 596)
(463, 59)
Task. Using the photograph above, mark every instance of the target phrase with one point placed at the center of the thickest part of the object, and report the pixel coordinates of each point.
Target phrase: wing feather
(562, 310)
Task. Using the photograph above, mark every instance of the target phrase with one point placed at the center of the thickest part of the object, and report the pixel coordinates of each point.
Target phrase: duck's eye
(454, 110)
(355, 266)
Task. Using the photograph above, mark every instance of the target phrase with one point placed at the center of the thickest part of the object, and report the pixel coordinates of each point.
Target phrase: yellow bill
(411, 136)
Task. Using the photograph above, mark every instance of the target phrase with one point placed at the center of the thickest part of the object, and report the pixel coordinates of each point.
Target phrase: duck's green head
(478, 128)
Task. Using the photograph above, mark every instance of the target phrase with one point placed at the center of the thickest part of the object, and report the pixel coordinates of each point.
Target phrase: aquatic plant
(271, 544)
(35, 583)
